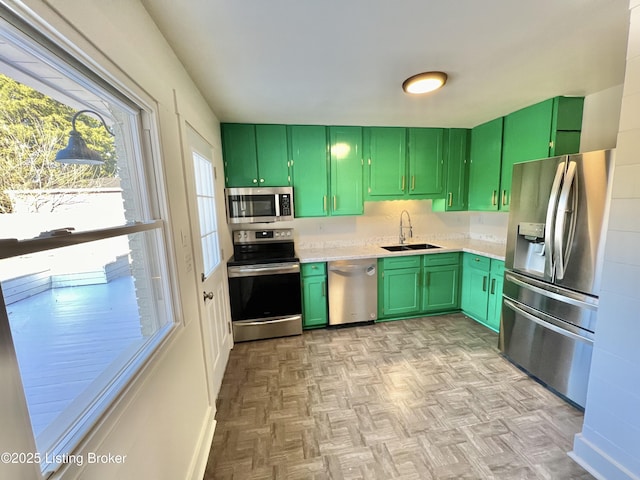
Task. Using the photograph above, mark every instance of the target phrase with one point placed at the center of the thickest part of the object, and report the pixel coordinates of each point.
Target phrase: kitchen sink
(410, 246)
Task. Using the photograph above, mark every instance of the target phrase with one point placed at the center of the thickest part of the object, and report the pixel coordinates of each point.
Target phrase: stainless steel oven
(264, 285)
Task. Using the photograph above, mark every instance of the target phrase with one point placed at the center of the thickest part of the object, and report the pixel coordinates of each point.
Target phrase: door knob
(208, 295)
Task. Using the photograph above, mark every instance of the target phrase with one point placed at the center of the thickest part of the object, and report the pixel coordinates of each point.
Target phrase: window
(83, 260)
(205, 194)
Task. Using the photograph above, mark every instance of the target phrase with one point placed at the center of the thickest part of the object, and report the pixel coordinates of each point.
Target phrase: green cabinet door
(545, 129)
(441, 288)
(494, 306)
(425, 177)
(475, 284)
(456, 172)
(240, 155)
(527, 134)
(566, 125)
(345, 146)
(272, 154)
(401, 292)
(314, 295)
(386, 161)
(482, 281)
(485, 166)
(310, 170)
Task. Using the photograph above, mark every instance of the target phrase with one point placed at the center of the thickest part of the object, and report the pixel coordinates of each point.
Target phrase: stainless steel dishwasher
(353, 291)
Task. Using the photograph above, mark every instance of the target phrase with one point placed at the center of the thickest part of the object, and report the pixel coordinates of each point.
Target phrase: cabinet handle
(324, 203)
(402, 187)
(504, 197)
(493, 286)
(262, 180)
(450, 199)
(413, 182)
(494, 196)
(335, 203)
(255, 180)
(484, 284)
(324, 288)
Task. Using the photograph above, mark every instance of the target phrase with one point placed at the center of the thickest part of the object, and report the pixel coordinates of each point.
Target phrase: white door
(206, 209)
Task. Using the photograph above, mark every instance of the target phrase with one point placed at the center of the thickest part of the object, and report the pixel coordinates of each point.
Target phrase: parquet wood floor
(420, 399)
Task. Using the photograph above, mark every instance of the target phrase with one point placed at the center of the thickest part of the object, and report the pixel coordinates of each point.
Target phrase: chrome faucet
(402, 227)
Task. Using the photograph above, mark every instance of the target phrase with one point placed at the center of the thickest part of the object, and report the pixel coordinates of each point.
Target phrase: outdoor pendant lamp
(76, 150)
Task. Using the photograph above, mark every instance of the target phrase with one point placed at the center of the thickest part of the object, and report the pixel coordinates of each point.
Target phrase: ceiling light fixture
(77, 150)
(424, 82)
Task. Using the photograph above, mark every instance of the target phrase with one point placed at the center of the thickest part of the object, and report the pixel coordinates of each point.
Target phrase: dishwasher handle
(353, 268)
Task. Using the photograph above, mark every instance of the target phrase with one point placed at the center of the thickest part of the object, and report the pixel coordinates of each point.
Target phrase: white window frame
(152, 199)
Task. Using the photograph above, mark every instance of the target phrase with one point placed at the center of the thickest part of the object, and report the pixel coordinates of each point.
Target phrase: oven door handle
(264, 269)
(258, 323)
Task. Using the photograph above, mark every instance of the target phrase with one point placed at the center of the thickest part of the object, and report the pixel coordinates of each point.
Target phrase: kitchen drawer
(436, 259)
(477, 261)
(313, 269)
(497, 267)
(400, 262)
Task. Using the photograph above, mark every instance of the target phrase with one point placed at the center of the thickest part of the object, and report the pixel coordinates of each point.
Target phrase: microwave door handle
(276, 199)
(562, 245)
(550, 220)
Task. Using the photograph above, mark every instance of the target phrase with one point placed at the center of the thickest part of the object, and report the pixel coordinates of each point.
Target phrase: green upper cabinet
(548, 128)
(240, 157)
(310, 170)
(346, 165)
(386, 154)
(456, 174)
(426, 162)
(327, 170)
(255, 155)
(485, 165)
(404, 162)
(273, 156)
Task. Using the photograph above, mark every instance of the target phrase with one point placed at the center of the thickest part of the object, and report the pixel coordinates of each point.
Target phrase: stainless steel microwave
(254, 205)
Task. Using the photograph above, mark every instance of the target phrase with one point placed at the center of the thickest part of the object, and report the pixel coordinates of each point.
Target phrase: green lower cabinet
(399, 290)
(314, 295)
(414, 285)
(494, 308)
(482, 280)
(441, 288)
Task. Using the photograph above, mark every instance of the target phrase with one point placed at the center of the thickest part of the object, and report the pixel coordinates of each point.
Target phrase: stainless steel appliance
(254, 205)
(353, 291)
(555, 247)
(264, 285)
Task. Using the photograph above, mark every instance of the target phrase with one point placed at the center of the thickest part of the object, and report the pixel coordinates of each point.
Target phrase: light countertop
(370, 250)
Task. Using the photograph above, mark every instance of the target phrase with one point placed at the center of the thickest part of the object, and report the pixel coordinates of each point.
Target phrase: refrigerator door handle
(508, 303)
(551, 219)
(562, 245)
(572, 298)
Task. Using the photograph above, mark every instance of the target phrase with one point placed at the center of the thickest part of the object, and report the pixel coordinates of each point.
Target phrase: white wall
(600, 119)
(164, 421)
(609, 445)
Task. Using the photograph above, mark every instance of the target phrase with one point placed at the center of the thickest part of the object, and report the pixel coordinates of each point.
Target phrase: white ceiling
(333, 62)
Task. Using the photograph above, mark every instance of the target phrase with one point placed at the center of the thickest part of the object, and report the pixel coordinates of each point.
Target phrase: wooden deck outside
(65, 338)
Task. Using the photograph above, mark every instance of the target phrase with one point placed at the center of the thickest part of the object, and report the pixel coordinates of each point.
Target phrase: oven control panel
(259, 236)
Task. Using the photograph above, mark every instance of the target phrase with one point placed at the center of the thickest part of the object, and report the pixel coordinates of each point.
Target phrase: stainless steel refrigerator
(555, 247)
